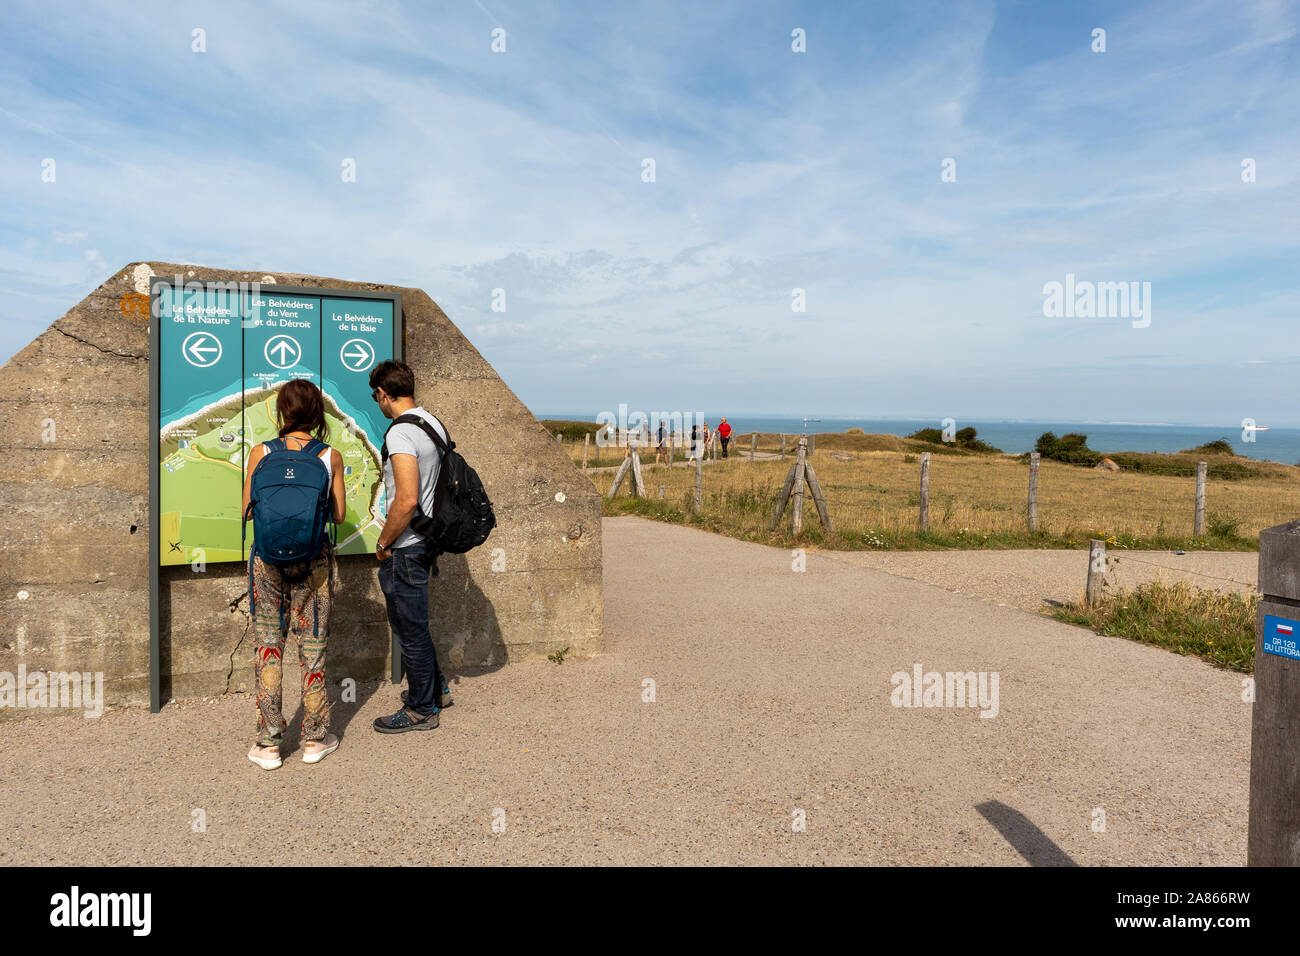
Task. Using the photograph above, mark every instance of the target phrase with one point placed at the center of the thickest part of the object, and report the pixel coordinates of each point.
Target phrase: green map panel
(217, 402)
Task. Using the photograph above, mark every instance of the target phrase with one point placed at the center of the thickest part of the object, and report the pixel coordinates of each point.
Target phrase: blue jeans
(404, 579)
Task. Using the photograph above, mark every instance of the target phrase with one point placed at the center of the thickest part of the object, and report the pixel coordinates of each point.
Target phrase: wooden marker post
(753, 446)
(812, 444)
(1273, 831)
(586, 444)
(1096, 572)
(783, 444)
(1034, 458)
(923, 521)
(1199, 522)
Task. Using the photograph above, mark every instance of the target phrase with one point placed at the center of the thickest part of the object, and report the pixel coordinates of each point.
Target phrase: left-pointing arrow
(199, 346)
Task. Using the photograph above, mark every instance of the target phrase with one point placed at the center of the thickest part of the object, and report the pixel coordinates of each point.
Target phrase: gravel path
(772, 695)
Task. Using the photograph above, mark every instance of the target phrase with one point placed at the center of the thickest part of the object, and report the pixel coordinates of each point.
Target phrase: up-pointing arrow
(282, 348)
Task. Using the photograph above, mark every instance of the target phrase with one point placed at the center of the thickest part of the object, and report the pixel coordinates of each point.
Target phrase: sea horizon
(1016, 436)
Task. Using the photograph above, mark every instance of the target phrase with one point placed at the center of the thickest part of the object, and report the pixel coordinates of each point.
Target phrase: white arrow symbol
(361, 356)
(286, 348)
(196, 347)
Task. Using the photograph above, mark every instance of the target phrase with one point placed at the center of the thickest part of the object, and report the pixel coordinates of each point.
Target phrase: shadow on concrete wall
(464, 622)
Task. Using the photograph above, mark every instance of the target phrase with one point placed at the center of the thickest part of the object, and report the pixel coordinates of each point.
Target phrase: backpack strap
(440, 485)
(410, 418)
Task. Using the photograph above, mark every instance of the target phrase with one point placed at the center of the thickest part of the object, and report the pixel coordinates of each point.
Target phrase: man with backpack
(413, 457)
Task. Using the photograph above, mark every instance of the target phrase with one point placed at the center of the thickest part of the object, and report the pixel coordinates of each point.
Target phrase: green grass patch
(572, 431)
(1219, 628)
(745, 514)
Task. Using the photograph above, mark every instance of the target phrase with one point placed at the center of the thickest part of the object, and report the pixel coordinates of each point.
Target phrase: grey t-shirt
(407, 439)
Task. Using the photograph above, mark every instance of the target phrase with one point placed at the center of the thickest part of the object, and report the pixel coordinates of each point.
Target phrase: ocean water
(1275, 444)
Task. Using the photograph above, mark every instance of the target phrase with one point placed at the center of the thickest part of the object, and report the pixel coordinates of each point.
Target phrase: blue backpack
(289, 502)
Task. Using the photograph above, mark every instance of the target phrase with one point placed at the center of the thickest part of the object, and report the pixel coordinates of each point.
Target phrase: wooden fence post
(1034, 459)
(1199, 523)
(1096, 572)
(1273, 828)
(812, 444)
(618, 476)
(819, 499)
(753, 446)
(923, 522)
(699, 482)
(783, 444)
(799, 477)
(586, 444)
(638, 484)
(784, 497)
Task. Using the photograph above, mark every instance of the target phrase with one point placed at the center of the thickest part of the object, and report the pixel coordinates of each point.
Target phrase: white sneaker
(268, 758)
(314, 751)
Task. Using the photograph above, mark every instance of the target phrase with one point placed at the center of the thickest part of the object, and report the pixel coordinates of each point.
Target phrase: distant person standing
(661, 450)
(724, 433)
(695, 438)
(704, 450)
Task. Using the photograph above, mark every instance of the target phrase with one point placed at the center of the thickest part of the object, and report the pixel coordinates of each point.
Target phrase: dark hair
(395, 378)
(300, 407)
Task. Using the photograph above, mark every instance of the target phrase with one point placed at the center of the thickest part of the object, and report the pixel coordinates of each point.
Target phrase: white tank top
(323, 456)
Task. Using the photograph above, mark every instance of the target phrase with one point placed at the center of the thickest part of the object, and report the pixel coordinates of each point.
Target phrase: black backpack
(462, 514)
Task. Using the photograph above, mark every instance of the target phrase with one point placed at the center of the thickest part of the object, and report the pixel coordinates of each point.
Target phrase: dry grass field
(872, 485)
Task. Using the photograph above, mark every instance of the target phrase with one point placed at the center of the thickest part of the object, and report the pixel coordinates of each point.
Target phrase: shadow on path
(1025, 838)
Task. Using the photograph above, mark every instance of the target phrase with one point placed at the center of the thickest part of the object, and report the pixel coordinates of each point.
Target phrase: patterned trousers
(302, 608)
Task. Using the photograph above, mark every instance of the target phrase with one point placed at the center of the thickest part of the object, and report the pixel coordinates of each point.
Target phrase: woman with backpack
(293, 490)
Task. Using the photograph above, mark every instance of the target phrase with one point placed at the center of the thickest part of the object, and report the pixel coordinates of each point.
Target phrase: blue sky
(774, 170)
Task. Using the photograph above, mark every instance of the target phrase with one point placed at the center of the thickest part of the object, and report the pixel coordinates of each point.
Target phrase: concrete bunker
(75, 435)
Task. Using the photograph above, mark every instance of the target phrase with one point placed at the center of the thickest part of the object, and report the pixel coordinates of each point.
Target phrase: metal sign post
(1273, 838)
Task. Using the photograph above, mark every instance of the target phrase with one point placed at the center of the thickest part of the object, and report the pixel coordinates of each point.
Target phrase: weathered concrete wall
(74, 548)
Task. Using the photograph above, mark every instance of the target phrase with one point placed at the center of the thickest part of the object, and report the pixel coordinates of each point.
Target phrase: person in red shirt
(724, 432)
